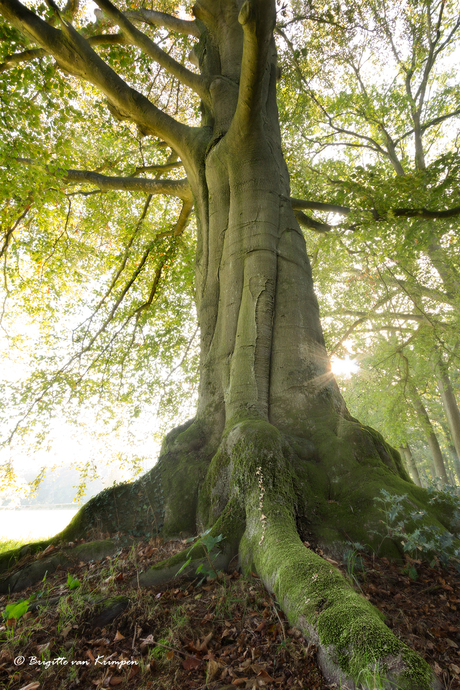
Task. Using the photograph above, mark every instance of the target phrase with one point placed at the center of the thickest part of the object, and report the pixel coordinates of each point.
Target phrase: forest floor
(217, 635)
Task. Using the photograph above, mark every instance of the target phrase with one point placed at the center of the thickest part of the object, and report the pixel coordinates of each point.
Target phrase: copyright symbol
(19, 661)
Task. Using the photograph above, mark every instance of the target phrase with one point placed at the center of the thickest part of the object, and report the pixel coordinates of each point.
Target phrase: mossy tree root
(266, 492)
(162, 501)
(356, 649)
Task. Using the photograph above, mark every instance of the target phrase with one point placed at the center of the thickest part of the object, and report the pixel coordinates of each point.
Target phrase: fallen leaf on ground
(212, 669)
(265, 676)
(191, 662)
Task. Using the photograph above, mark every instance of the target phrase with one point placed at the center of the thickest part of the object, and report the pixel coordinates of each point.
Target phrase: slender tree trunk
(425, 424)
(447, 273)
(410, 463)
(455, 461)
(450, 405)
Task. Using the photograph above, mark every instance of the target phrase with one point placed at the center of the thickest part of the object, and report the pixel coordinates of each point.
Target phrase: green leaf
(16, 610)
(72, 582)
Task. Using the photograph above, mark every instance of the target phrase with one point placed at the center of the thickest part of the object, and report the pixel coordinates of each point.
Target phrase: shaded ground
(215, 635)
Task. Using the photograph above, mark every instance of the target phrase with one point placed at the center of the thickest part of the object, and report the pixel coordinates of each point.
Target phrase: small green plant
(72, 582)
(426, 540)
(354, 563)
(410, 570)
(448, 494)
(16, 610)
(208, 542)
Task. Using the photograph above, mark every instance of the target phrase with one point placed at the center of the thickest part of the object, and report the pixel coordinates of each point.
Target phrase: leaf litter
(222, 634)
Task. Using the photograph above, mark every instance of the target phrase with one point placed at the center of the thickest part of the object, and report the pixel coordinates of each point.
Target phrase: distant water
(32, 524)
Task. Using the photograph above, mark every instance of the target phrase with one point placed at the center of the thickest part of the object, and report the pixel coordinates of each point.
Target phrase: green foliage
(72, 582)
(370, 116)
(410, 570)
(16, 610)
(10, 544)
(353, 561)
(447, 494)
(21, 606)
(426, 540)
(208, 542)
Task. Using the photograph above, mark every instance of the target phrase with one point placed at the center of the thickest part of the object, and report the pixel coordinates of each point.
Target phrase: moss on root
(353, 641)
(163, 501)
(230, 525)
(257, 488)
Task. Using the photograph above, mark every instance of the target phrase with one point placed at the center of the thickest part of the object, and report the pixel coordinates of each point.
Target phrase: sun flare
(344, 367)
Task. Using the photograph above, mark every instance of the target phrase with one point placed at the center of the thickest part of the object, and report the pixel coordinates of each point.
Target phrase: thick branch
(184, 216)
(12, 60)
(312, 224)
(382, 315)
(180, 26)
(257, 17)
(139, 39)
(165, 167)
(178, 188)
(422, 213)
(299, 204)
(102, 39)
(75, 55)
(425, 213)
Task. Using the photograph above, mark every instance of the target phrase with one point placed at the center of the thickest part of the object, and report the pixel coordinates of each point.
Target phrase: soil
(212, 635)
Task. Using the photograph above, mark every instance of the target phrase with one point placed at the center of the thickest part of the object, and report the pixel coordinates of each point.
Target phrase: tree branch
(155, 168)
(167, 21)
(139, 39)
(257, 17)
(75, 55)
(414, 288)
(9, 233)
(102, 39)
(381, 315)
(373, 144)
(299, 204)
(312, 224)
(177, 188)
(16, 58)
(427, 125)
(184, 215)
(423, 213)
(348, 332)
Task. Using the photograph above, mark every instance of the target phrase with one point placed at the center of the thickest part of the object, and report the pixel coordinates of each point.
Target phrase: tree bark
(450, 404)
(425, 424)
(410, 462)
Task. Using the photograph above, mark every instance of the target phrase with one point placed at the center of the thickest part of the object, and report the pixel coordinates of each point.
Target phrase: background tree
(272, 455)
(380, 168)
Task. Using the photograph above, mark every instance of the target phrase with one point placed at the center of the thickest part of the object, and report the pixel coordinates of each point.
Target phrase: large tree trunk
(273, 457)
